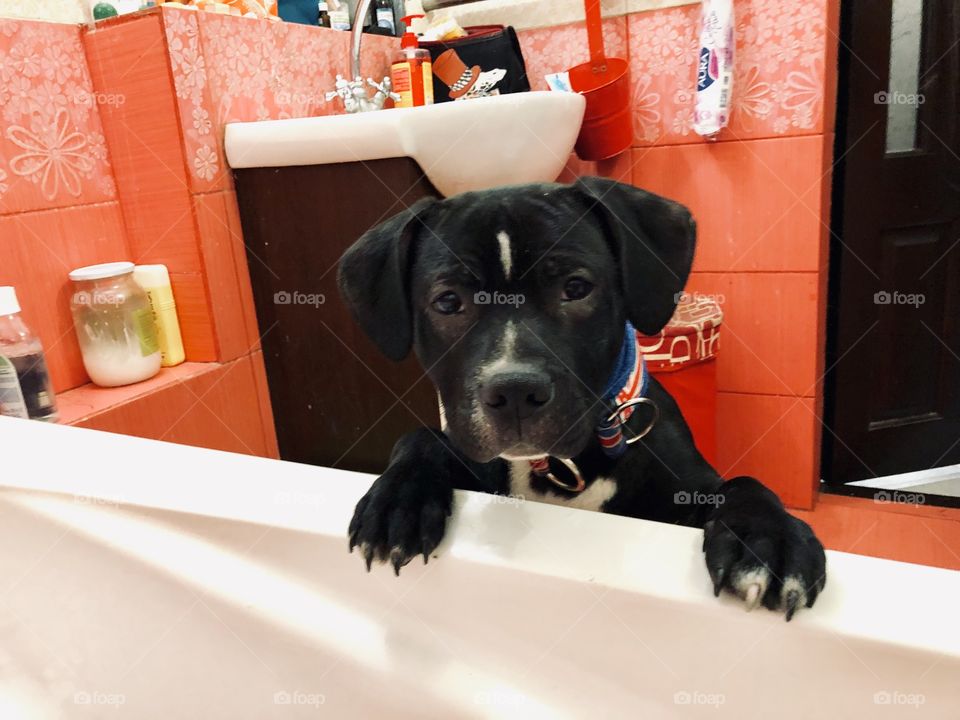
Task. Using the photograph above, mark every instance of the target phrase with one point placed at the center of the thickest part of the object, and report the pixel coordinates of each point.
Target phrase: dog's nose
(520, 394)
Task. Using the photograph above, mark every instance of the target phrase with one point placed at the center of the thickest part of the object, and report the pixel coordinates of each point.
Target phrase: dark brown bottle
(324, 19)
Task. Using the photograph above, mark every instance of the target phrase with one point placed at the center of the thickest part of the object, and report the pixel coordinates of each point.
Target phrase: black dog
(521, 304)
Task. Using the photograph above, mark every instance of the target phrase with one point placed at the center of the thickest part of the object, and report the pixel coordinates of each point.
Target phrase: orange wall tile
(769, 335)
(197, 116)
(130, 60)
(226, 302)
(259, 371)
(772, 438)
(243, 271)
(757, 204)
(193, 311)
(924, 535)
(217, 408)
(52, 152)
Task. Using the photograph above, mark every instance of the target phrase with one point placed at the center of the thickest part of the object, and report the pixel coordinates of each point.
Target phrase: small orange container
(607, 126)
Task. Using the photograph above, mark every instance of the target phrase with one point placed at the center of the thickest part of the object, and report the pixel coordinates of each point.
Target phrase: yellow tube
(155, 280)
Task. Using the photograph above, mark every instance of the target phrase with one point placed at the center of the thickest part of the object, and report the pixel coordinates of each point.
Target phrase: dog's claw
(368, 556)
(426, 558)
(397, 560)
(718, 583)
(752, 597)
(793, 600)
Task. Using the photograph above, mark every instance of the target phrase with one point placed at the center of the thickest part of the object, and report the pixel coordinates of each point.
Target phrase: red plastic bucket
(607, 125)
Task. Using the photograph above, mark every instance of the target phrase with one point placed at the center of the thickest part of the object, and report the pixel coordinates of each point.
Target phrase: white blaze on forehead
(505, 259)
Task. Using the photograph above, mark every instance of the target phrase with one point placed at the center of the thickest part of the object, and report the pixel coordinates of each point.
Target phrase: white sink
(218, 586)
(466, 145)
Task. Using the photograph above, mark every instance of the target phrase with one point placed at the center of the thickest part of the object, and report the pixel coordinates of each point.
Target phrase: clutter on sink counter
(246, 8)
(384, 16)
(25, 389)
(487, 61)
(104, 10)
(339, 14)
(411, 72)
(155, 280)
(115, 325)
(439, 26)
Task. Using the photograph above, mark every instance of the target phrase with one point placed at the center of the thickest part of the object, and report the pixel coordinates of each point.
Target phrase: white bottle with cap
(25, 389)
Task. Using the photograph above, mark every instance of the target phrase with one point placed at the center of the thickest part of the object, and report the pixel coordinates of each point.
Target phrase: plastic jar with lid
(114, 324)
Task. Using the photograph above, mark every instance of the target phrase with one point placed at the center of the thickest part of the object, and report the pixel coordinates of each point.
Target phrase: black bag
(486, 62)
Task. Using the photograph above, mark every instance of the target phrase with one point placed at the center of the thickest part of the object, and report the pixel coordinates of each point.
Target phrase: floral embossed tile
(52, 149)
(778, 82)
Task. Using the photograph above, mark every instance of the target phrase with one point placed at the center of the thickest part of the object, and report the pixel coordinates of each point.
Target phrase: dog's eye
(576, 289)
(447, 303)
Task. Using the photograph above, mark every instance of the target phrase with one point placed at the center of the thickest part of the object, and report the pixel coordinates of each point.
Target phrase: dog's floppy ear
(374, 282)
(653, 239)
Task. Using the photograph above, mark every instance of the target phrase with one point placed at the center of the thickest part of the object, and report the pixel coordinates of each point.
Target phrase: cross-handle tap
(355, 97)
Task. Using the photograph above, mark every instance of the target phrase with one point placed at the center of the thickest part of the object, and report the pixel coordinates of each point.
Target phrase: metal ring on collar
(572, 467)
(616, 414)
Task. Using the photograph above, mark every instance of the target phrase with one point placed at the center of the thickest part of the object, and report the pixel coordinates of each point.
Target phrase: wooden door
(892, 397)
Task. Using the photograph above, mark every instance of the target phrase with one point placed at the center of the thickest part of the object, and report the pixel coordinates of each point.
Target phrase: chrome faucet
(354, 92)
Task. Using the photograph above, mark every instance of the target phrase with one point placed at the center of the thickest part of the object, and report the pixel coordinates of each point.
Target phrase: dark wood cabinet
(336, 400)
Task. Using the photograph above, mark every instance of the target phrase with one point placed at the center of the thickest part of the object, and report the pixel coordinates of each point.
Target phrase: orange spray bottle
(412, 70)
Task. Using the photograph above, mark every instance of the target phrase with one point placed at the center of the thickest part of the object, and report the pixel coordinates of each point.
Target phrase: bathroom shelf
(84, 403)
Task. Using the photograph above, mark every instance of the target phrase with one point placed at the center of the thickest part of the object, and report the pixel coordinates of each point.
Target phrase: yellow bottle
(155, 280)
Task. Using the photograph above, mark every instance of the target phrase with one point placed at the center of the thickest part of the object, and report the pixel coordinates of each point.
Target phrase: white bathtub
(146, 580)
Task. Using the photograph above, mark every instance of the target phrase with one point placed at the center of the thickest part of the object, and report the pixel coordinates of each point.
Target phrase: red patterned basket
(683, 358)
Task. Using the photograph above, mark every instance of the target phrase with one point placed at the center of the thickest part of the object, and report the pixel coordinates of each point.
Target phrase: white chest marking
(505, 258)
(593, 498)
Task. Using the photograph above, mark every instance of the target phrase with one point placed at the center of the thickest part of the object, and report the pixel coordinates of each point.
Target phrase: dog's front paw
(759, 552)
(404, 514)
